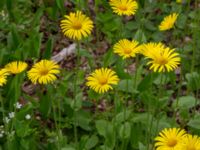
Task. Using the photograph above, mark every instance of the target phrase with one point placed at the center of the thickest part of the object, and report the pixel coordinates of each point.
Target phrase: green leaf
(146, 83)
(48, 50)
(106, 129)
(121, 116)
(91, 142)
(181, 22)
(83, 120)
(46, 101)
(193, 80)
(126, 86)
(185, 102)
(78, 103)
(68, 148)
(195, 122)
(140, 36)
(125, 130)
(101, 127)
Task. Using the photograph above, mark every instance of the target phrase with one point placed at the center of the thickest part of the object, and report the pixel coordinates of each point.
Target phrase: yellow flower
(126, 48)
(76, 25)
(3, 75)
(168, 22)
(102, 79)
(43, 72)
(191, 143)
(170, 139)
(162, 58)
(124, 7)
(16, 67)
(179, 1)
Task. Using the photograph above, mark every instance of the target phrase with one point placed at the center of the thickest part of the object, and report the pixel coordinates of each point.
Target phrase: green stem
(78, 4)
(160, 95)
(135, 79)
(178, 93)
(115, 114)
(2, 106)
(124, 141)
(150, 127)
(155, 110)
(96, 22)
(121, 30)
(75, 93)
(56, 124)
(59, 119)
(194, 38)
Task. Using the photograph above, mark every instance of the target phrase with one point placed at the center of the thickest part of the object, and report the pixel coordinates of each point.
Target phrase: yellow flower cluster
(176, 139)
(77, 26)
(42, 72)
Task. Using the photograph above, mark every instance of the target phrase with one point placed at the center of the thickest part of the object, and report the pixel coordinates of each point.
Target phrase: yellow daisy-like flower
(168, 22)
(124, 7)
(16, 67)
(44, 72)
(102, 79)
(76, 25)
(179, 1)
(3, 75)
(170, 139)
(162, 58)
(191, 143)
(126, 48)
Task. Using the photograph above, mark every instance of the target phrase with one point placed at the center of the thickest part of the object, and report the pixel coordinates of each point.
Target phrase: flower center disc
(44, 72)
(123, 8)
(172, 143)
(127, 51)
(103, 81)
(162, 61)
(77, 25)
(191, 148)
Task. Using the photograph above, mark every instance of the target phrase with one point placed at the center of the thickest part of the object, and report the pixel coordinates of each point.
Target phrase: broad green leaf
(195, 122)
(101, 127)
(91, 142)
(125, 130)
(185, 102)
